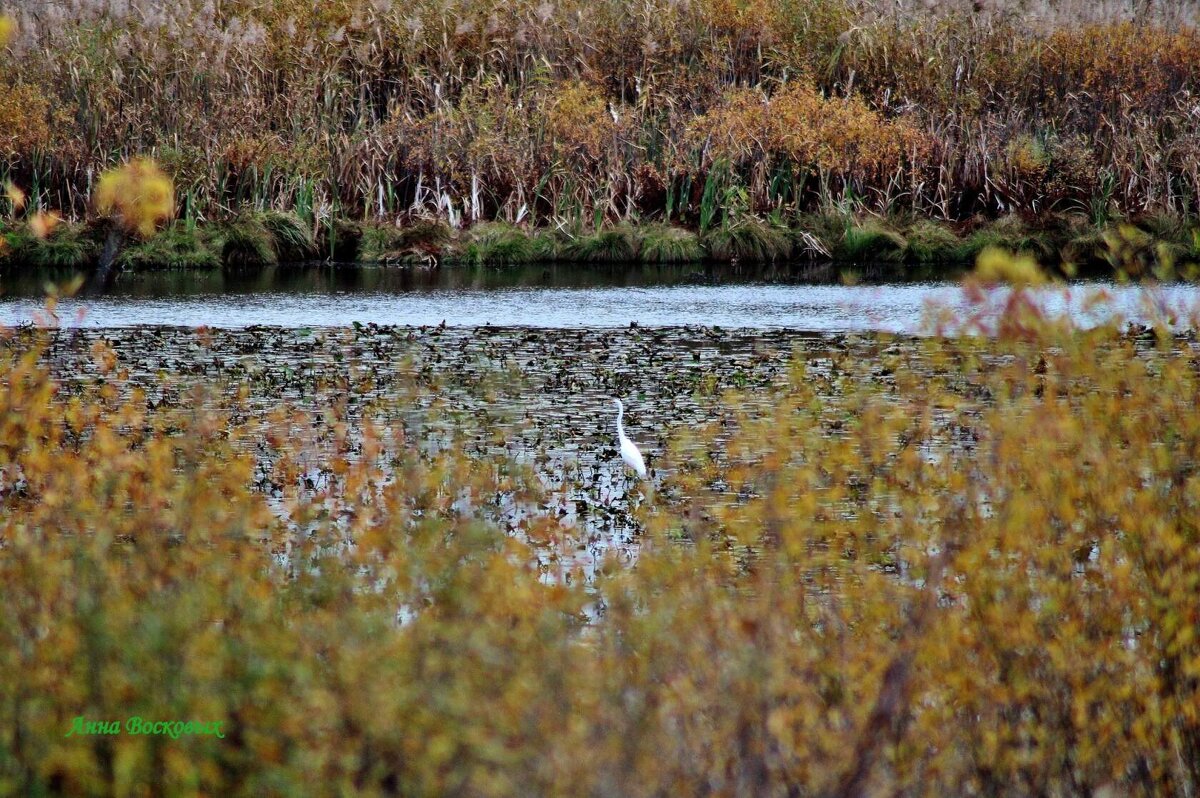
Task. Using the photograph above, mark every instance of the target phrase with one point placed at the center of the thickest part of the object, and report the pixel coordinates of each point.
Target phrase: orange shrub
(1112, 65)
(578, 121)
(843, 137)
(23, 120)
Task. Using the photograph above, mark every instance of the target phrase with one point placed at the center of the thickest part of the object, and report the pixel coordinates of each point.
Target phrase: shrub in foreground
(956, 566)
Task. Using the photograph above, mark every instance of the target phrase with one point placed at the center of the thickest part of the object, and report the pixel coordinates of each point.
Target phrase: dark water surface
(570, 297)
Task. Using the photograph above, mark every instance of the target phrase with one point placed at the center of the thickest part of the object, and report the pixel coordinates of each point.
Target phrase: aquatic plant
(291, 238)
(804, 134)
(245, 241)
(1133, 252)
(1084, 251)
(533, 111)
(871, 241)
(610, 245)
(51, 246)
(1011, 233)
(931, 242)
(421, 242)
(548, 244)
(379, 243)
(339, 240)
(24, 119)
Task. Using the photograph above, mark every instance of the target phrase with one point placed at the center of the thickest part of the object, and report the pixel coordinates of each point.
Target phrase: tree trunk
(105, 272)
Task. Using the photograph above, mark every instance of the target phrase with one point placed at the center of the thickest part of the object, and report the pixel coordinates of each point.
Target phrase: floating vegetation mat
(508, 397)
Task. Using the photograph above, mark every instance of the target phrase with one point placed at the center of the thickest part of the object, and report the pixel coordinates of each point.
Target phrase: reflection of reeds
(1070, 243)
(596, 112)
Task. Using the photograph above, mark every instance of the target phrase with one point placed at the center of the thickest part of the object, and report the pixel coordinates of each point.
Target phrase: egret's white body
(629, 452)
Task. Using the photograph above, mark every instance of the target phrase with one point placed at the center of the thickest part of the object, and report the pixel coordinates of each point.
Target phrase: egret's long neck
(620, 413)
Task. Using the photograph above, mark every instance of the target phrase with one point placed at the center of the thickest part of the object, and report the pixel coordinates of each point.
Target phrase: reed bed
(586, 114)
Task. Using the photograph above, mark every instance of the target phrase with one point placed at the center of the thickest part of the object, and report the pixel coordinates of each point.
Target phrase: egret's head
(617, 402)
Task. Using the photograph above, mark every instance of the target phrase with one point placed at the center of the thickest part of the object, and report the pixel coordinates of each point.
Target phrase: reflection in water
(904, 308)
(337, 279)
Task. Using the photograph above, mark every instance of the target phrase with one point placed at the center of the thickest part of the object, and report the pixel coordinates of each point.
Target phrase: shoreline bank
(1069, 245)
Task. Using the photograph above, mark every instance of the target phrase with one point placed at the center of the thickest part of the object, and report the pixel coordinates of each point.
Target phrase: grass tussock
(423, 242)
(871, 241)
(379, 244)
(929, 242)
(65, 246)
(748, 239)
(175, 247)
(611, 245)
(246, 241)
(661, 243)
(290, 237)
(499, 244)
(340, 240)
(1013, 234)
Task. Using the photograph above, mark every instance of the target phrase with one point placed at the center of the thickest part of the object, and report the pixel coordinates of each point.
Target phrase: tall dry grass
(586, 111)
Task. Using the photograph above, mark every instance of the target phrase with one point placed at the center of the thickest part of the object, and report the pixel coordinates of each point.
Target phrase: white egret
(629, 452)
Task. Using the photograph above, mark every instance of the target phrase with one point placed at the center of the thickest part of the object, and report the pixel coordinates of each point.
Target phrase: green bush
(291, 237)
(68, 246)
(245, 241)
(611, 245)
(871, 241)
(931, 242)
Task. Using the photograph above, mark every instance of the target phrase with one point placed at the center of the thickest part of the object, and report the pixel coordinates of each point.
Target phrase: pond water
(528, 360)
(572, 296)
(538, 398)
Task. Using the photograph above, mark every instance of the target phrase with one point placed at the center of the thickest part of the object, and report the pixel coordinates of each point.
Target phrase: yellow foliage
(840, 136)
(14, 195)
(327, 91)
(1119, 63)
(748, 19)
(975, 560)
(138, 194)
(8, 28)
(43, 223)
(23, 119)
(578, 121)
(995, 265)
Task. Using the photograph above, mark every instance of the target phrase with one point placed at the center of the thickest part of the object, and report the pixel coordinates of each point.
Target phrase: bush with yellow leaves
(138, 195)
(950, 566)
(24, 115)
(805, 134)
